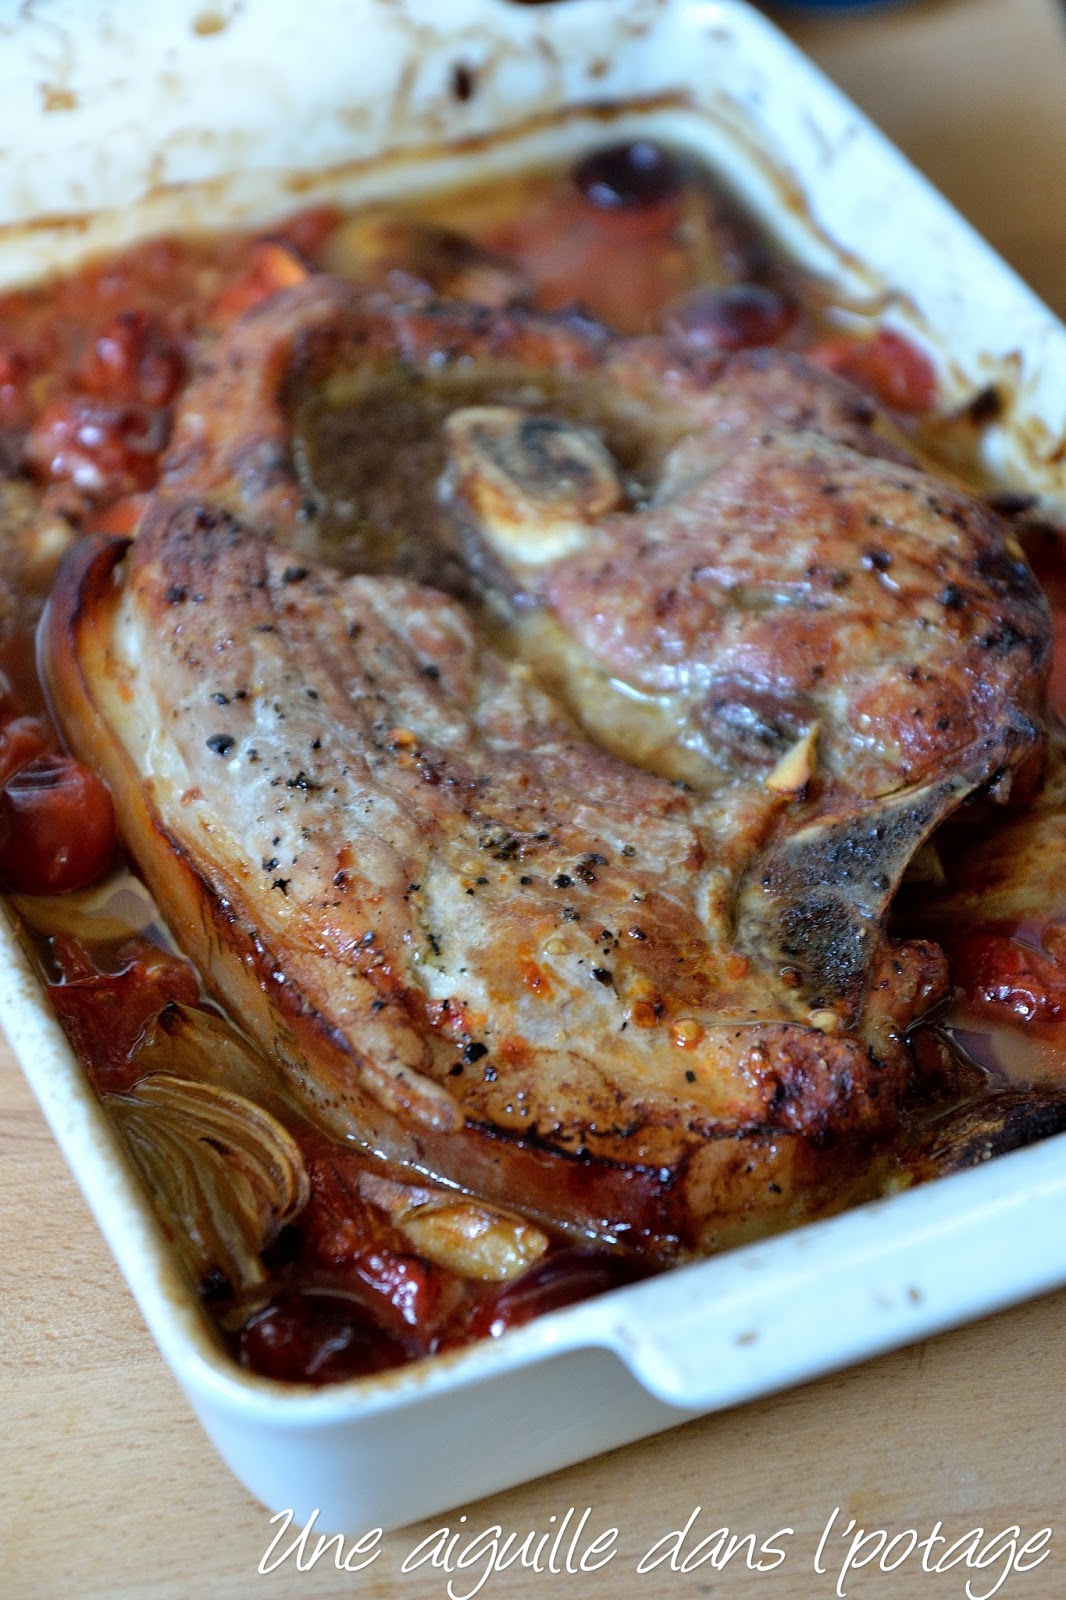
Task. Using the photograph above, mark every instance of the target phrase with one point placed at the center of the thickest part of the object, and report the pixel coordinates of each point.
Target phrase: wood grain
(974, 92)
(108, 1489)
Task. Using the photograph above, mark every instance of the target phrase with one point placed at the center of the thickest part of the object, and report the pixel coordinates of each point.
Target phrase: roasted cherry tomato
(105, 1012)
(629, 177)
(558, 1279)
(103, 447)
(315, 1337)
(358, 1246)
(57, 827)
(133, 358)
(739, 316)
(1009, 979)
(20, 741)
(888, 366)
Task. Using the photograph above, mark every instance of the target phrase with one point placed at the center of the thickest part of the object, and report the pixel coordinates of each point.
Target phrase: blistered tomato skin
(628, 177)
(104, 1013)
(888, 366)
(57, 827)
(21, 740)
(560, 1279)
(319, 1338)
(738, 317)
(1010, 981)
(103, 447)
(354, 1242)
(133, 359)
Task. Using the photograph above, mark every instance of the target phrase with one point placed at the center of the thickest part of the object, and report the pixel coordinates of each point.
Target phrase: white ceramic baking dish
(119, 120)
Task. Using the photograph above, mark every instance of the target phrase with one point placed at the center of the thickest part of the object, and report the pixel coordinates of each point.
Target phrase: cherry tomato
(316, 1337)
(20, 741)
(629, 177)
(358, 1244)
(734, 318)
(104, 448)
(558, 1279)
(57, 827)
(133, 358)
(892, 369)
(104, 1013)
(1011, 980)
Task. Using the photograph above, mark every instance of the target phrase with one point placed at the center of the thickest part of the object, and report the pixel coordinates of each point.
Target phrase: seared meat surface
(740, 541)
(780, 578)
(728, 568)
(321, 413)
(591, 923)
(803, 612)
(496, 950)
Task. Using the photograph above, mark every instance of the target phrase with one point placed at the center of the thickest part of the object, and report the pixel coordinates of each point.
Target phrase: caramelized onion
(115, 909)
(224, 1173)
(189, 1042)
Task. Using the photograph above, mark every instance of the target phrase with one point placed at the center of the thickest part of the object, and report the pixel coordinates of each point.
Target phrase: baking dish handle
(777, 1313)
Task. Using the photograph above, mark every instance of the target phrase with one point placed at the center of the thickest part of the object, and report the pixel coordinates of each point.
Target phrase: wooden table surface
(108, 1489)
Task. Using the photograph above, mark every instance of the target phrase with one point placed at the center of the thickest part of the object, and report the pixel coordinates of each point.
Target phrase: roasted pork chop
(481, 944)
(832, 623)
(320, 415)
(594, 926)
(728, 568)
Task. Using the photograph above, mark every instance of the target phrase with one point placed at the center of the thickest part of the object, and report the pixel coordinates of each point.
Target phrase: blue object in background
(827, 7)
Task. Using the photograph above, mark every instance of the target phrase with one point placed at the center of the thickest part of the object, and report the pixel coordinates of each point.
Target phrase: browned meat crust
(797, 581)
(379, 378)
(738, 546)
(496, 952)
(662, 1014)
